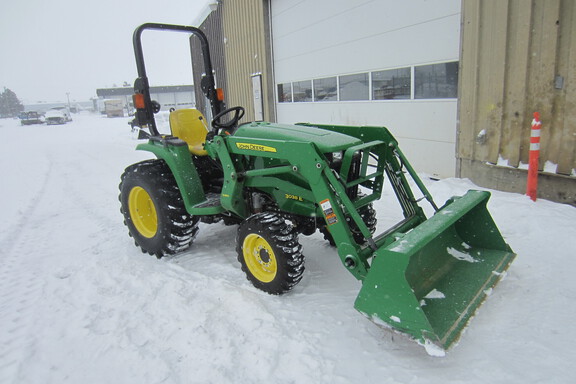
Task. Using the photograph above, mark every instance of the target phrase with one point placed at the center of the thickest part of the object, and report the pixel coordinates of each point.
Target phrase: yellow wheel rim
(143, 212)
(259, 258)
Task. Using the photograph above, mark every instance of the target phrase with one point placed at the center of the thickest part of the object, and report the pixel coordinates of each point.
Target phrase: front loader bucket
(429, 282)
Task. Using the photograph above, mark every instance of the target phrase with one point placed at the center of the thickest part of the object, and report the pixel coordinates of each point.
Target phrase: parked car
(58, 116)
(31, 117)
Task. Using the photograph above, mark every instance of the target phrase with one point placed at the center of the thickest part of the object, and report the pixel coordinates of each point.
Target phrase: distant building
(74, 107)
(171, 96)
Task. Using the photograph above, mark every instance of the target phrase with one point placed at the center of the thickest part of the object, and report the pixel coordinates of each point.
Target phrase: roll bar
(145, 116)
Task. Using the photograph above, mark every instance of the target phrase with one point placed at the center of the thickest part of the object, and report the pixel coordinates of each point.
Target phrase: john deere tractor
(277, 181)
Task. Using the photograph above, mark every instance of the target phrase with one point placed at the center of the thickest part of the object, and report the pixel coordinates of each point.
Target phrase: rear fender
(175, 153)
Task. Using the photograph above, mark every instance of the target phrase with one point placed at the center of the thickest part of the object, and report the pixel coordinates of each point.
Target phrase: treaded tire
(269, 253)
(368, 214)
(169, 228)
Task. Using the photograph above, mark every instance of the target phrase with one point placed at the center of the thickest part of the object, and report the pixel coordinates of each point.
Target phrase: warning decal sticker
(328, 212)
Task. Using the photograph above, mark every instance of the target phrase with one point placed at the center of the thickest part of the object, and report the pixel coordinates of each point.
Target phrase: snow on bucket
(428, 283)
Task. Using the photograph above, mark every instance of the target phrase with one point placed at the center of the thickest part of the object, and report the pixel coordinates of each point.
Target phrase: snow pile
(80, 304)
(435, 294)
(460, 255)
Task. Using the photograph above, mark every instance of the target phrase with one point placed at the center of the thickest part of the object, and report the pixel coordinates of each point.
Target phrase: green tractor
(276, 181)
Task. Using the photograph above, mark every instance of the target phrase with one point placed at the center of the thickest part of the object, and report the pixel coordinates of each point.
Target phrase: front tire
(154, 211)
(269, 253)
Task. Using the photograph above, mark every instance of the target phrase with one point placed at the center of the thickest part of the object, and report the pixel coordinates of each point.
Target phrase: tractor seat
(190, 125)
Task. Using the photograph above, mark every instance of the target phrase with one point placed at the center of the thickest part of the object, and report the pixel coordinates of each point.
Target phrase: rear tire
(154, 211)
(269, 253)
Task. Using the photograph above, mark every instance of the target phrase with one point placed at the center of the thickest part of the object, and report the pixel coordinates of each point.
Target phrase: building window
(436, 81)
(391, 84)
(354, 87)
(285, 93)
(325, 89)
(302, 91)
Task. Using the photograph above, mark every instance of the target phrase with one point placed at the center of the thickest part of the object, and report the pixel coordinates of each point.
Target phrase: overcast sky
(52, 47)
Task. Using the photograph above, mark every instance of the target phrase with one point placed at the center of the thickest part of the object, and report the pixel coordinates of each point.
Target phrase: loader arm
(426, 276)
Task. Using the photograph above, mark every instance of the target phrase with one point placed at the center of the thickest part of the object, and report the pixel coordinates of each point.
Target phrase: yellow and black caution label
(255, 147)
(328, 212)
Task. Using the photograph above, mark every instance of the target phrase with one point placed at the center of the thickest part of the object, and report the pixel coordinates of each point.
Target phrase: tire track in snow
(103, 213)
(20, 286)
(12, 236)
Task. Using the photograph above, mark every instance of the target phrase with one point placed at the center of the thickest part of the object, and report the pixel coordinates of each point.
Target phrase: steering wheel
(238, 114)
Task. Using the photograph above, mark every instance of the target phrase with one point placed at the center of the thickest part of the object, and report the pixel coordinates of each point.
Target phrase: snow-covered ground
(80, 304)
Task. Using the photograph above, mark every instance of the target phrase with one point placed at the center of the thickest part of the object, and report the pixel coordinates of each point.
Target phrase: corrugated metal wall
(248, 51)
(212, 27)
(518, 57)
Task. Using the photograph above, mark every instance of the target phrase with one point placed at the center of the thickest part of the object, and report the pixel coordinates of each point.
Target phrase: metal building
(169, 96)
(518, 57)
(239, 35)
(455, 81)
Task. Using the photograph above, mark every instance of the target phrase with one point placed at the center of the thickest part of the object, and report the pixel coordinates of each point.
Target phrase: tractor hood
(326, 141)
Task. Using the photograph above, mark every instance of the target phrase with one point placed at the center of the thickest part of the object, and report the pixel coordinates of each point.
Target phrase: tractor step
(210, 206)
(212, 200)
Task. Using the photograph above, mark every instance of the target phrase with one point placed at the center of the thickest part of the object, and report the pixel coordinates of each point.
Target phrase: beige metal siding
(212, 27)
(564, 136)
(514, 107)
(512, 51)
(247, 52)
